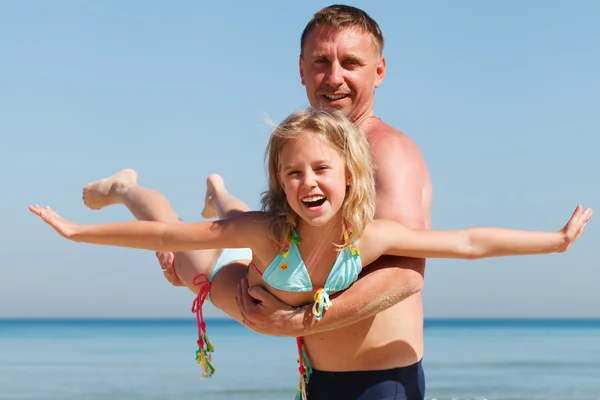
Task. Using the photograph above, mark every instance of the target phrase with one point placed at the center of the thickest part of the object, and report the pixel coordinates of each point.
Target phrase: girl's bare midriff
(391, 339)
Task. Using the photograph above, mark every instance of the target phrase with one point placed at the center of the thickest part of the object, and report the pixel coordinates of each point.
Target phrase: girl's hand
(574, 228)
(64, 227)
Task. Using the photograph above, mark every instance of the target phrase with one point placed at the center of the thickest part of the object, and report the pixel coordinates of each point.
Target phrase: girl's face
(314, 178)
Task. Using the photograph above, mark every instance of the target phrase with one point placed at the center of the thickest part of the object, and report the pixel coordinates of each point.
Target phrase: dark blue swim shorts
(406, 383)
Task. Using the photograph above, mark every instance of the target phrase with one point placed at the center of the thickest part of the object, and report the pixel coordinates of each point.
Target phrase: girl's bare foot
(107, 191)
(214, 184)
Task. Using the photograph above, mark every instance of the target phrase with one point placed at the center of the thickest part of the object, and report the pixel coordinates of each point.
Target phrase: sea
(94, 359)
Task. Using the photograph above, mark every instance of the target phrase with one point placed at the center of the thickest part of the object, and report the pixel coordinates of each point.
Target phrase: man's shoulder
(384, 138)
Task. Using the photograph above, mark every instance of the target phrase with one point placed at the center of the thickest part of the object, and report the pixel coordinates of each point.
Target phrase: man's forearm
(382, 284)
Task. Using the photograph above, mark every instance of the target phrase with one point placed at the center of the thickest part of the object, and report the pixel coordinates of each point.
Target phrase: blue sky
(503, 99)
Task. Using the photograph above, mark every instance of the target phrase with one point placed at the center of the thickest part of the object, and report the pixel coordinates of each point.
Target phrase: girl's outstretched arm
(236, 232)
(389, 237)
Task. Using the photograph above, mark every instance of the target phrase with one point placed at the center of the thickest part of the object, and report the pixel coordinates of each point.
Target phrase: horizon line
(217, 318)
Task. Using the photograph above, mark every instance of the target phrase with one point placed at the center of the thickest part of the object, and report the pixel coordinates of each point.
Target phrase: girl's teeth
(312, 199)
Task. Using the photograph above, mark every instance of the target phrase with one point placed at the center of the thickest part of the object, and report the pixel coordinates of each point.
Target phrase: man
(374, 331)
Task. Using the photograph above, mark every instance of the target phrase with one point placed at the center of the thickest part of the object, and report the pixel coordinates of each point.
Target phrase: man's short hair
(341, 17)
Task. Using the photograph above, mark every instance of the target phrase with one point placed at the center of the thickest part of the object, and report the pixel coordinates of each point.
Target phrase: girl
(317, 215)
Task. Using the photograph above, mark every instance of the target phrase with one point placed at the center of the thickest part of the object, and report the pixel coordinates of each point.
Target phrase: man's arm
(403, 195)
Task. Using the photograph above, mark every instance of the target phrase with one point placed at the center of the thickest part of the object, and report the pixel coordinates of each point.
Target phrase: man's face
(341, 69)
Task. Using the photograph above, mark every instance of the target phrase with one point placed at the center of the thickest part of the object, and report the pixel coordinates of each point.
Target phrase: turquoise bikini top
(288, 272)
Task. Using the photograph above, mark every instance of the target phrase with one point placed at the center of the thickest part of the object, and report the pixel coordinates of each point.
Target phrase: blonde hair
(344, 17)
(335, 129)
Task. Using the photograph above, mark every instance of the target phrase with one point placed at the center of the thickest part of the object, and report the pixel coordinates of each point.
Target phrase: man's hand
(264, 313)
(167, 263)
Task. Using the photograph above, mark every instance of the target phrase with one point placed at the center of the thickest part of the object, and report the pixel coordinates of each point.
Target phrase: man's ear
(301, 68)
(380, 72)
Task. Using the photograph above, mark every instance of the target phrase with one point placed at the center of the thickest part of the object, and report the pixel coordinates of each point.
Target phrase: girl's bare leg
(149, 205)
(218, 203)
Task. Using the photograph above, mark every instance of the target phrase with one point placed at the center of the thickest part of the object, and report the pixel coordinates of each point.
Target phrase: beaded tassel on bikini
(305, 370)
(292, 237)
(347, 237)
(205, 348)
(322, 303)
